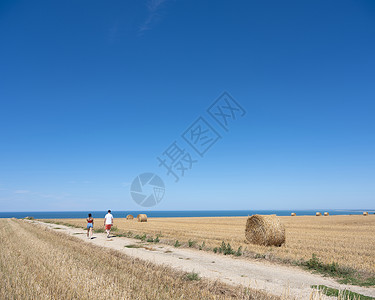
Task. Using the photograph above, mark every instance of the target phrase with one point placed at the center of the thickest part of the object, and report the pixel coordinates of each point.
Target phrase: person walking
(90, 226)
(108, 222)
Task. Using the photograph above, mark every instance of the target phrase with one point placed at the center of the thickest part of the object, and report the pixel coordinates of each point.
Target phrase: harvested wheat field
(37, 263)
(346, 240)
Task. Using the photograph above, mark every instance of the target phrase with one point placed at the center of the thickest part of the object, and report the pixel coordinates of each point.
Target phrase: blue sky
(92, 92)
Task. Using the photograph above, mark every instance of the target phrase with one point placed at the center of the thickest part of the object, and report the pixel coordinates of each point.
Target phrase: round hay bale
(293, 214)
(142, 218)
(318, 214)
(129, 217)
(326, 213)
(265, 230)
(365, 213)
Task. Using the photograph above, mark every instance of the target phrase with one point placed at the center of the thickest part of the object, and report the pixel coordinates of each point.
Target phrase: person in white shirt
(108, 222)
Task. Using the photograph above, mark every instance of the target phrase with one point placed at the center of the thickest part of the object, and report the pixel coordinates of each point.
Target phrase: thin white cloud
(154, 16)
(22, 192)
(41, 195)
(83, 181)
(52, 196)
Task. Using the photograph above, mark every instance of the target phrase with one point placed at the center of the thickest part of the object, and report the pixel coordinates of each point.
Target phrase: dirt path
(275, 279)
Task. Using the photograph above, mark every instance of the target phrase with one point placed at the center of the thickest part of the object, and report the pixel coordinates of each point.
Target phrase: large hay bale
(365, 213)
(265, 230)
(293, 214)
(129, 217)
(142, 218)
(318, 214)
(326, 213)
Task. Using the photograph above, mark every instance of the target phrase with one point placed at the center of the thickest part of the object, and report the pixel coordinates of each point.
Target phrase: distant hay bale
(318, 214)
(365, 213)
(293, 214)
(129, 217)
(265, 230)
(142, 218)
(326, 213)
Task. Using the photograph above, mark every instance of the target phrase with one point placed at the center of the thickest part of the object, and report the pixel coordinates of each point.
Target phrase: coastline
(177, 213)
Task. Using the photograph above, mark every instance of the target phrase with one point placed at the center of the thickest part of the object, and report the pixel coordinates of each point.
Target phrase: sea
(174, 213)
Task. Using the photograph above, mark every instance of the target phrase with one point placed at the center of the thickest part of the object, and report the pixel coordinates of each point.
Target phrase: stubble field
(346, 240)
(38, 263)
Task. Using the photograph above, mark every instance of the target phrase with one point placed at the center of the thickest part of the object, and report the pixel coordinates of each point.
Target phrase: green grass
(62, 223)
(121, 235)
(141, 237)
(114, 228)
(191, 243)
(201, 247)
(238, 252)
(344, 294)
(192, 276)
(133, 246)
(344, 275)
(150, 239)
(70, 225)
(128, 234)
(177, 244)
(226, 249)
(357, 279)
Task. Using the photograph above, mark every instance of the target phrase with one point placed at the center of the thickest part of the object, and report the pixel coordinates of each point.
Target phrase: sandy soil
(272, 278)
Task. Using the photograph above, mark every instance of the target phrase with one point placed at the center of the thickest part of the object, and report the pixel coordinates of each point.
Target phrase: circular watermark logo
(147, 189)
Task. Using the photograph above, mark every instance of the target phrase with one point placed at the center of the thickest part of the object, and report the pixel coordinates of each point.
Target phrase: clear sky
(92, 92)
